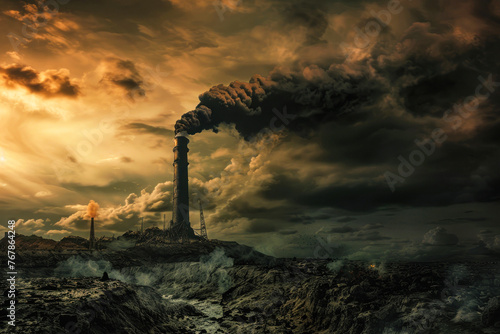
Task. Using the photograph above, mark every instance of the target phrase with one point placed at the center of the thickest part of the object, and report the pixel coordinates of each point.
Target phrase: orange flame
(92, 209)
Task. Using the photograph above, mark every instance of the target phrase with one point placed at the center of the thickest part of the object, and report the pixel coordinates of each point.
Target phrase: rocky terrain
(353, 297)
(89, 305)
(32, 242)
(223, 287)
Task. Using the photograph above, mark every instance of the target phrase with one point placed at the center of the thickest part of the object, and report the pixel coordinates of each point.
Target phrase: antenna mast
(203, 227)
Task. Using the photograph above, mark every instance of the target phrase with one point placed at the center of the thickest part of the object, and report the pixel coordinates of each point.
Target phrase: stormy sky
(360, 129)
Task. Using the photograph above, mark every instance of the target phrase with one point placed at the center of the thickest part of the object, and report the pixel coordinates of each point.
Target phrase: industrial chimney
(180, 210)
(92, 235)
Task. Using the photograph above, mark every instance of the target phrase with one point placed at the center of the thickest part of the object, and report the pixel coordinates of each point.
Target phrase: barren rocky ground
(229, 288)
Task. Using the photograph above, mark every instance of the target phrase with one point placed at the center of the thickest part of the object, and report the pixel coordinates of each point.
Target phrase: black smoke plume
(281, 99)
(419, 74)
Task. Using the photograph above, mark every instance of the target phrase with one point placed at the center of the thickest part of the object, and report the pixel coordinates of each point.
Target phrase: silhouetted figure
(105, 276)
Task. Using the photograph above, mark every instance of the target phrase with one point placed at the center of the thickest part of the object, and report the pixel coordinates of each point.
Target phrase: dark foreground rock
(88, 305)
(491, 313)
(216, 294)
(299, 297)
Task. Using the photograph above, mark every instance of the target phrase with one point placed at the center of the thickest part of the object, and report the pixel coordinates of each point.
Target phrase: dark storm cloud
(315, 95)
(322, 216)
(303, 219)
(351, 229)
(358, 197)
(378, 141)
(245, 208)
(363, 194)
(288, 232)
(369, 236)
(372, 226)
(124, 74)
(311, 16)
(123, 14)
(261, 227)
(362, 235)
(343, 229)
(346, 219)
(453, 221)
(50, 83)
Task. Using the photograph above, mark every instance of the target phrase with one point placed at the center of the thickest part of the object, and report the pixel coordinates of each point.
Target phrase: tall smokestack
(92, 235)
(180, 212)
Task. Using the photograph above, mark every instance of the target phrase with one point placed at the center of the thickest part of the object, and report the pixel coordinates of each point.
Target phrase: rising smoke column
(310, 96)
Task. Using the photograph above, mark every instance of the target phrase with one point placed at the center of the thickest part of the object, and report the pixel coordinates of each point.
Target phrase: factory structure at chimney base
(179, 229)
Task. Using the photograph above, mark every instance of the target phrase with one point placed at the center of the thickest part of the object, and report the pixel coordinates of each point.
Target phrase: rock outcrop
(89, 305)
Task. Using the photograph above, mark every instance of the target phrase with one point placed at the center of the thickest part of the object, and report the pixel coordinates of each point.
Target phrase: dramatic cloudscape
(317, 128)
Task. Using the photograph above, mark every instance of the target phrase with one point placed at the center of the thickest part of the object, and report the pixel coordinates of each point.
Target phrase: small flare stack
(92, 213)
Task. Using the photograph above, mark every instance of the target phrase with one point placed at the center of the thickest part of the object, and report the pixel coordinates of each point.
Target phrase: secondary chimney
(180, 212)
(92, 235)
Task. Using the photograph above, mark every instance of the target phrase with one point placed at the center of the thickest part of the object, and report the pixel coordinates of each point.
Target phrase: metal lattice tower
(203, 227)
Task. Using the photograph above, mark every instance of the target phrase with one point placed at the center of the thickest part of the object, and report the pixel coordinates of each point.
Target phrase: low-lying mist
(210, 272)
